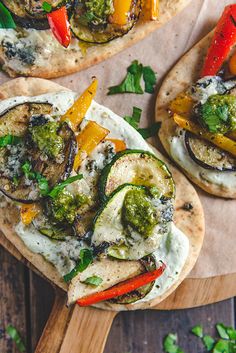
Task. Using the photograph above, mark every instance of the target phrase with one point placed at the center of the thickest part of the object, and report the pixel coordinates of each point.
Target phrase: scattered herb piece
(222, 331)
(86, 258)
(150, 131)
(135, 118)
(222, 346)
(93, 281)
(46, 7)
(208, 342)
(132, 81)
(149, 78)
(55, 191)
(27, 170)
(6, 20)
(168, 242)
(31, 175)
(170, 345)
(9, 140)
(14, 334)
(197, 331)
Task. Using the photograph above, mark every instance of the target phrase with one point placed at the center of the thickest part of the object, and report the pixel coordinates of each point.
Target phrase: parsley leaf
(6, 20)
(222, 346)
(197, 331)
(170, 344)
(93, 281)
(134, 120)
(27, 170)
(55, 191)
(14, 334)
(150, 131)
(31, 175)
(208, 342)
(86, 258)
(149, 78)
(9, 139)
(132, 81)
(46, 7)
(222, 331)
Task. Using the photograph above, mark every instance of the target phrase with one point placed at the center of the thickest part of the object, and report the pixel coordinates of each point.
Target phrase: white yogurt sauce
(63, 255)
(181, 156)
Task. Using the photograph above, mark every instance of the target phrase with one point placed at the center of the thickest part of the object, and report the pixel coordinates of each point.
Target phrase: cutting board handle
(75, 330)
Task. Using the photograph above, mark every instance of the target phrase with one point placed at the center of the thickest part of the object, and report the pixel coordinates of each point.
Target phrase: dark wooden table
(26, 301)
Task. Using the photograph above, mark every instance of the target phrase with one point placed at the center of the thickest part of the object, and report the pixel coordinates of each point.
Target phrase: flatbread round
(183, 75)
(191, 222)
(67, 61)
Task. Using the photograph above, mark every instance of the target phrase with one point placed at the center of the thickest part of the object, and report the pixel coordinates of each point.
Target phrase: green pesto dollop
(218, 113)
(138, 212)
(65, 206)
(98, 10)
(47, 139)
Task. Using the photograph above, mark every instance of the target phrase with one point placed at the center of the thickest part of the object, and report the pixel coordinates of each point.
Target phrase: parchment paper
(161, 50)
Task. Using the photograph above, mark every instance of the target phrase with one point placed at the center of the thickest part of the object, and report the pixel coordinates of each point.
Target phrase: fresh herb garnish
(31, 175)
(93, 281)
(46, 7)
(132, 81)
(14, 334)
(134, 120)
(150, 131)
(170, 345)
(9, 140)
(55, 191)
(208, 342)
(149, 78)
(6, 20)
(197, 331)
(86, 258)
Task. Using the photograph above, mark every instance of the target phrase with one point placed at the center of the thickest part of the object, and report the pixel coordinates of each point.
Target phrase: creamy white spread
(181, 156)
(63, 254)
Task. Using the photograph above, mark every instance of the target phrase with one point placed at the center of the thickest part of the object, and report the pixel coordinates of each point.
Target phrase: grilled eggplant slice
(13, 183)
(207, 155)
(84, 222)
(149, 264)
(92, 32)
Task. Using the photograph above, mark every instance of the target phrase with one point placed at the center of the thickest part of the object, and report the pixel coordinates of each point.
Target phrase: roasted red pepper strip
(123, 287)
(60, 26)
(223, 40)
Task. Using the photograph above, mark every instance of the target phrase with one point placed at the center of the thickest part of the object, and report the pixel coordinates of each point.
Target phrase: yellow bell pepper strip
(218, 140)
(182, 105)
(88, 139)
(120, 145)
(121, 12)
(151, 9)
(28, 212)
(77, 112)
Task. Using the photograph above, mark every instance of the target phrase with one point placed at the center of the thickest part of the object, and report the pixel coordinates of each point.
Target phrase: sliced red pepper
(60, 26)
(223, 40)
(123, 287)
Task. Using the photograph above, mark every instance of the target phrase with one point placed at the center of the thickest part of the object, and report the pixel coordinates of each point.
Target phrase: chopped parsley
(150, 131)
(31, 175)
(93, 281)
(208, 342)
(46, 7)
(86, 258)
(134, 120)
(9, 140)
(132, 82)
(6, 20)
(170, 344)
(15, 336)
(197, 331)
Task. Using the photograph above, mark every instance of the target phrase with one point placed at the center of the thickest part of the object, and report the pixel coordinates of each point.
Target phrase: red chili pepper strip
(60, 26)
(223, 40)
(123, 287)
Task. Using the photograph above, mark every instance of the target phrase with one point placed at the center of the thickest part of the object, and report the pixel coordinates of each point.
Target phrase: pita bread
(74, 61)
(190, 222)
(183, 75)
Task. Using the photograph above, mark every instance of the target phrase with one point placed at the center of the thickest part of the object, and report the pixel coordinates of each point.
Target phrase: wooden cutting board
(85, 330)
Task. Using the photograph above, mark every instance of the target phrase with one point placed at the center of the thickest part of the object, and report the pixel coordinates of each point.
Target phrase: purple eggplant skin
(200, 162)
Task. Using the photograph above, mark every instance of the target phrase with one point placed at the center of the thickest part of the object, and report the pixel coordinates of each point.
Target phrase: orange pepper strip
(182, 104)
(88, 139)
(120, 145)
(77, 112)
(123, 287)
(29, 212)
(219, 140)
(232, 64)
(151, 9)
(121, 11)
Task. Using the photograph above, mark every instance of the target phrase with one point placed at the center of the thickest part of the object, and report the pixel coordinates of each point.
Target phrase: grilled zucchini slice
(139, 168)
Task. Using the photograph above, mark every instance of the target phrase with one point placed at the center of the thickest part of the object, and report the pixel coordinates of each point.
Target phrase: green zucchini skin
(106, 173)
(149, 263)
(101, 34)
